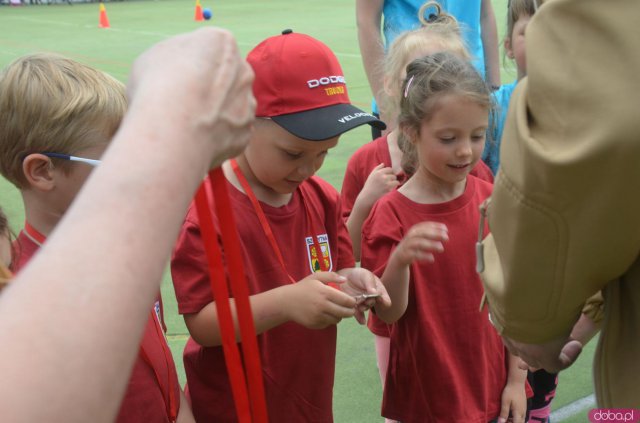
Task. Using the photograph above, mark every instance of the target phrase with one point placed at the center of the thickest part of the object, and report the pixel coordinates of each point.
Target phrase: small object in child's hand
(366, 296)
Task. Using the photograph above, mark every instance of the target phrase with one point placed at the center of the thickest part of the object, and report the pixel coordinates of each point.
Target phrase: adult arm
(559, 232)
(75, 315)
(369, 22)
(489, 33)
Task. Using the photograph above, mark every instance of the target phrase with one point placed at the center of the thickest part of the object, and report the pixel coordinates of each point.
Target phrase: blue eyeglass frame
(92, 162)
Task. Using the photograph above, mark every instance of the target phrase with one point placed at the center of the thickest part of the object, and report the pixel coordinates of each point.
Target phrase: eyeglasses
(91, 162)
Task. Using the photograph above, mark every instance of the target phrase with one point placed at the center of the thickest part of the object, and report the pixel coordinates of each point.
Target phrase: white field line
(572, 409)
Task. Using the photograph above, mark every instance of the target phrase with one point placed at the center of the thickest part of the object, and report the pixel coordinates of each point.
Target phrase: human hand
(380, 181)
(552, 356)
(513, 403)
(197, 88)
(361, 281)
(315, 305)
(421, 242)
(522, 365)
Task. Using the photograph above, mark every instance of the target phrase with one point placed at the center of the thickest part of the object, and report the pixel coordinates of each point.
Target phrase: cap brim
(326, 122)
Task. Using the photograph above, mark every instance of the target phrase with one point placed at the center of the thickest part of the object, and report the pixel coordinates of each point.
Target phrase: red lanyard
(40, 239)
(240, 383)
(171, 407)
(34, 235)
(266, 228)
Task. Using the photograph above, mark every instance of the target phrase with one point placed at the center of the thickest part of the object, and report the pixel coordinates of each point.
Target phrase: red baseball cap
(300, 85)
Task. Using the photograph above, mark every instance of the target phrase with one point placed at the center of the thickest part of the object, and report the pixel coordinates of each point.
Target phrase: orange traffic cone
(198, 16)
(104, 21)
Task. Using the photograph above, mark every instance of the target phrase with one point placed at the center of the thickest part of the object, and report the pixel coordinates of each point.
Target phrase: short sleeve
(189, 269)
(381, 233)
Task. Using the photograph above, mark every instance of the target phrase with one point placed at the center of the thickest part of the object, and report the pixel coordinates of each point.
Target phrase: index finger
(329, 277)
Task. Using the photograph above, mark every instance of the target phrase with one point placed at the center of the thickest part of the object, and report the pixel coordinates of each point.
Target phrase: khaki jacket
(565, 212)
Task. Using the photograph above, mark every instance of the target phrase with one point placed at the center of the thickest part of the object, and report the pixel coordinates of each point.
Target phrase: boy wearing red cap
(295, 245)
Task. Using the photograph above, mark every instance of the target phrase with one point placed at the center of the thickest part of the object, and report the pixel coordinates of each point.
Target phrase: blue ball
(206, 13)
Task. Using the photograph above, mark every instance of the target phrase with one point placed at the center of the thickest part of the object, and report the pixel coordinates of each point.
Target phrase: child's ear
(38, 171)
(507, 48)
(386, 86)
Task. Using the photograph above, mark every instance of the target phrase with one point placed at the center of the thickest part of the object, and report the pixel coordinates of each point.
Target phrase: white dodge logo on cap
(326, 80)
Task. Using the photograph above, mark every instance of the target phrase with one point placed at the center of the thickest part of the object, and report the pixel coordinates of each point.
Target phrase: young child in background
(479, 32)
(58, 118)
(294, 241)
(375, 168)
(5, 250)
(447, 363)
(518, 15)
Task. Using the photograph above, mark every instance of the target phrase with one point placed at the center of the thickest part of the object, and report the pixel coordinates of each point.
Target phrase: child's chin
(287, 187)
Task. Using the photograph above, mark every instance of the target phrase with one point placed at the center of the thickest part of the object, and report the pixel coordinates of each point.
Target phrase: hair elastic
(431, 17)
(406, 89)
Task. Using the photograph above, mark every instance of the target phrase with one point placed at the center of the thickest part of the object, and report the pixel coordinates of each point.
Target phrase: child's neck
(39, 214)
(424, 188)
(262, 192)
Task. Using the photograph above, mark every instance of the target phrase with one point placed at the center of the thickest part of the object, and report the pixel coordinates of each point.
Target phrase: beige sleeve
(565, 212)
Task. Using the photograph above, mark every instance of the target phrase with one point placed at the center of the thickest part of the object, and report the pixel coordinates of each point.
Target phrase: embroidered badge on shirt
(314, 258)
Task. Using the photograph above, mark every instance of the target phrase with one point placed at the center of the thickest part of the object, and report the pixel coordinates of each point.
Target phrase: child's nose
(464, 148)
(307, 170)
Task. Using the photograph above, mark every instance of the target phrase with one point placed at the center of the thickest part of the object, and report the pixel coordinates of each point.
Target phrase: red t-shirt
(360, 165)
(447, 362)
(147, 397)
(370, 155)
(298, 363)
(482, 171)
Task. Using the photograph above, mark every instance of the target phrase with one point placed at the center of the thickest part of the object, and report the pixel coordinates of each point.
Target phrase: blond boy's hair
(49, 103)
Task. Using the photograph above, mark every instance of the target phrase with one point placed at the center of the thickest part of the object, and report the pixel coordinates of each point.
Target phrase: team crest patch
(315, 256)
(156, 308)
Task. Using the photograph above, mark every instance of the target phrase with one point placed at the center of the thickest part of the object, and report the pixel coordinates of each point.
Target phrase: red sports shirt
(447, 362)
(360, 165)
(298, 363)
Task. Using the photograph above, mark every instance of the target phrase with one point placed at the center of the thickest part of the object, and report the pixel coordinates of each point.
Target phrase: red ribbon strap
(231, 246)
